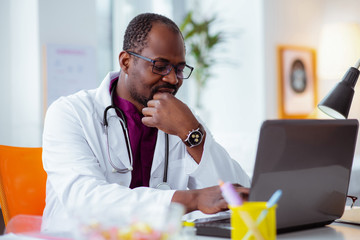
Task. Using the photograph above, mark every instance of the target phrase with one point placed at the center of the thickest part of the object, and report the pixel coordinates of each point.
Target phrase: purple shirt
(142, 141)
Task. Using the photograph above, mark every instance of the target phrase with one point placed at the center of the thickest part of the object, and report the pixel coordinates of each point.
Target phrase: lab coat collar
(102, 97)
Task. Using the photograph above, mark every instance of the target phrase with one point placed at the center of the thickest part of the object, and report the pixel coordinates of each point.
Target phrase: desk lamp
(337, 103)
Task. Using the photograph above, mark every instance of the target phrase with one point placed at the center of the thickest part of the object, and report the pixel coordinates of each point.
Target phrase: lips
(167, 90)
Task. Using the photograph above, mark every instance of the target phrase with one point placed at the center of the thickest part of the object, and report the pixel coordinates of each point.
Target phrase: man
(90, 158)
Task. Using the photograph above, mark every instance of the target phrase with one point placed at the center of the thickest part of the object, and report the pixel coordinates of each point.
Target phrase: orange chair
(22, 182)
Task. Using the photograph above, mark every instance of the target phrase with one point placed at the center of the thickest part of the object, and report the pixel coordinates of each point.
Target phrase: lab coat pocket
(176, 176)
(122, 179)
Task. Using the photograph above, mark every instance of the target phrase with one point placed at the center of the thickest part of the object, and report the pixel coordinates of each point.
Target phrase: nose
(171, 77)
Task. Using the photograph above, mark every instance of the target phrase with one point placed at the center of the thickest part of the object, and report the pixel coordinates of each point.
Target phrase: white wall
(287, 22)
(27, 26)
(293, 22)
(234, 96)
(21, 115)
(67, 22)
(343, 12)
(5, 83)
(71, 24)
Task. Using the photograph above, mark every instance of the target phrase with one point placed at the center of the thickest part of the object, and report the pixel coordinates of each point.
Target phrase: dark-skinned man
(131, 141)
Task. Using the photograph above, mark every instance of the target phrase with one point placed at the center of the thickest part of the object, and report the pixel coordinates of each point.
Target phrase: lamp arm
(357, 64)
(352, 75)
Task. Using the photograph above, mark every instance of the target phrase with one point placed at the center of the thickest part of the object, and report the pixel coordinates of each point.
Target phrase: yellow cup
(246, 224)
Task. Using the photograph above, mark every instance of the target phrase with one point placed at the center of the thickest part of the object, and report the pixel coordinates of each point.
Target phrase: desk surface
(334, 231)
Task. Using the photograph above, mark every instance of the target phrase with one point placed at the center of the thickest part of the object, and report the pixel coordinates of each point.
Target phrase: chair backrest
(22, 181)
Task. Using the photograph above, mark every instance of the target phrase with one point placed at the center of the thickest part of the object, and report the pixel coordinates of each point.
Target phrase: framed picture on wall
(297, 84)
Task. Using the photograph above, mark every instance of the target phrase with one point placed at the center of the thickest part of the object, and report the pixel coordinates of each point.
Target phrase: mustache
(165, 85)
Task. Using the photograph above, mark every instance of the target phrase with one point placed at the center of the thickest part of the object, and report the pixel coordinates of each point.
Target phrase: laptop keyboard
(214, 226)
(222, 223)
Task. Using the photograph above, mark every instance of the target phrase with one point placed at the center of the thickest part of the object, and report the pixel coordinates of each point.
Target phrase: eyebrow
(161, 59)
(166, 60)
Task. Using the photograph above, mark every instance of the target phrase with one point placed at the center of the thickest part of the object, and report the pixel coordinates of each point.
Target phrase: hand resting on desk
(208, 200)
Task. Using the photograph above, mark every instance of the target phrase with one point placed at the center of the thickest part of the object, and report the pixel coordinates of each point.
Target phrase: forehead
(164, 42)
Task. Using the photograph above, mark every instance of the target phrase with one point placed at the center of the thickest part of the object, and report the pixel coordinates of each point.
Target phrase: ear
(124, 60)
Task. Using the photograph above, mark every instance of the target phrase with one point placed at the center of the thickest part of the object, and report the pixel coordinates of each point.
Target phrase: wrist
(195, 136)
(188, 198)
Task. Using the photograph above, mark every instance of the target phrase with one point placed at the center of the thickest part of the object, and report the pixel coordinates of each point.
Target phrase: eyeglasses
(183, 71)
(353, 199)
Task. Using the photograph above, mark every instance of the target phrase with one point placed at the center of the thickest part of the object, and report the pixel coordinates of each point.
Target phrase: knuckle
(166, 96)
(158, 103)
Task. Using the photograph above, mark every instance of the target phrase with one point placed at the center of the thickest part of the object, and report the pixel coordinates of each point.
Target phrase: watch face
(195, 138)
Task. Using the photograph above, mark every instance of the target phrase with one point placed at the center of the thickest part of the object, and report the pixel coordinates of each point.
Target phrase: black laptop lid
(310, 161)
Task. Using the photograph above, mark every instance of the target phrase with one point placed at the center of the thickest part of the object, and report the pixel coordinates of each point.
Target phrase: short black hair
(135, 38)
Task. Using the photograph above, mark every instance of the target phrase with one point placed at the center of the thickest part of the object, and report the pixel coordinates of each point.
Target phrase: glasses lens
(162, 68)
(183, 71)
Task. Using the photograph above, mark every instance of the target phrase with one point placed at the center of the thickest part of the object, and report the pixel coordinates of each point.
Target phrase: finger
(223, 205)
(244, 196)
(152, 103)
(237, 185)
(242, 190)
(214, 207)
(148, 121)
(148, 111)
(162, 95)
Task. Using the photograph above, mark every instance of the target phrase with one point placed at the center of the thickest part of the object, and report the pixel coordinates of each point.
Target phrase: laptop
(310, 161)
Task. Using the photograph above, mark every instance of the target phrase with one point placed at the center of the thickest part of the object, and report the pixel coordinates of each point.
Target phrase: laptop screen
(310, 161)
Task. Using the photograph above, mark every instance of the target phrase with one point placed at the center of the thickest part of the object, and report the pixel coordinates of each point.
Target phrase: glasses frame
(154, 61)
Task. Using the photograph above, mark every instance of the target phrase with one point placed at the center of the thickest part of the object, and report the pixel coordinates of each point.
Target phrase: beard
(143, 100)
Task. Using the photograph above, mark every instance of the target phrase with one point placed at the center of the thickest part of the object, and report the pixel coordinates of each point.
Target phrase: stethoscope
(163, 185)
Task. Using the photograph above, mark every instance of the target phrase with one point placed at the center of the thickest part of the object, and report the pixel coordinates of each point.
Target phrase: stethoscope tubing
(166, 164)
(119, 170)
(123, 123)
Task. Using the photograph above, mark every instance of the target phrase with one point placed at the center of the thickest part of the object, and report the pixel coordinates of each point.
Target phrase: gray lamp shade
(337, 103)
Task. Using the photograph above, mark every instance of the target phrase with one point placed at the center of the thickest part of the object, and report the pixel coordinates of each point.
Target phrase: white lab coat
(75, 157)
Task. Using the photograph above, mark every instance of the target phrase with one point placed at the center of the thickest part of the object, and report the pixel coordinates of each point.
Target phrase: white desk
(334, 231)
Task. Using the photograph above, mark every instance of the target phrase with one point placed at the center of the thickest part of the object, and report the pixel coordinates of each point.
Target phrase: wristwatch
(195, 137)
